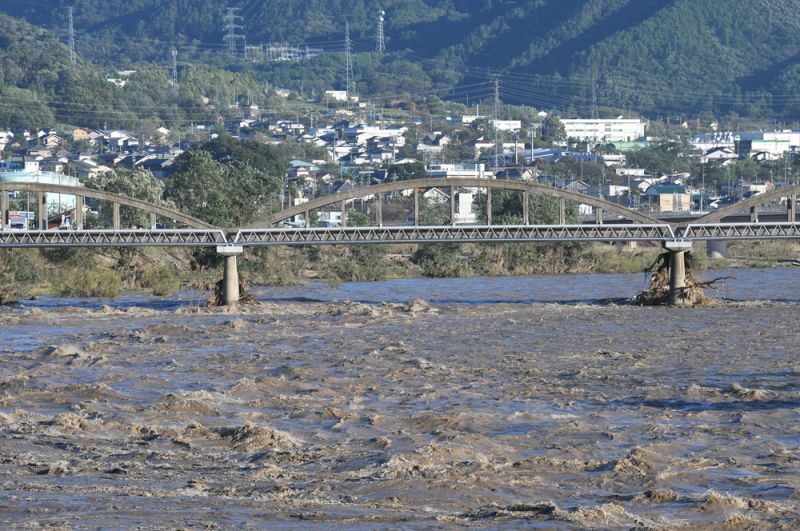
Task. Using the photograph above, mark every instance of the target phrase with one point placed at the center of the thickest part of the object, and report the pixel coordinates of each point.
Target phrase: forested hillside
(653, 56)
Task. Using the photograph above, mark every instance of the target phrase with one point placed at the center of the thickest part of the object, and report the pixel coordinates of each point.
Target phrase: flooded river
(485, 402)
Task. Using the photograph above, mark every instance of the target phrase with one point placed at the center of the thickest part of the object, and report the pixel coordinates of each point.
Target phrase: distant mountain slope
(657, 56)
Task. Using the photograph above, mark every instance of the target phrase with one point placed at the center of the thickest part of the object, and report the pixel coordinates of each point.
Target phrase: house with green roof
(668, 197)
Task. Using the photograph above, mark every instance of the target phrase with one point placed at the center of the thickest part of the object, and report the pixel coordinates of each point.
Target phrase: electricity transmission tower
(380, 46)
(174, 68)
(230, 25)
(349, 82)
(71, 30)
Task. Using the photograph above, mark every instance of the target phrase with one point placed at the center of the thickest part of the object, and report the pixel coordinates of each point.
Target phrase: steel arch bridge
(81, 193)
(626, 225)
(526, 188)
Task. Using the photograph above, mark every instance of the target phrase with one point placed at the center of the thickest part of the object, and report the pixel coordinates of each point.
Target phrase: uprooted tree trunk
(657, 293)
(217, 298)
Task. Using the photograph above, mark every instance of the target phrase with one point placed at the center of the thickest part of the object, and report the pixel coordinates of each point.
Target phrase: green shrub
(361, 264)
(161, 280)
(441, 260)
(90, 283)
(20, 272)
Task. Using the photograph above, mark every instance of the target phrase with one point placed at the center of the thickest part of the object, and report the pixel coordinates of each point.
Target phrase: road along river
(496, 402)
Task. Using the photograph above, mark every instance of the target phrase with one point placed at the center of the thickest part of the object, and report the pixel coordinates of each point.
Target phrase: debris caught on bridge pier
(657, 293)
(245, 295)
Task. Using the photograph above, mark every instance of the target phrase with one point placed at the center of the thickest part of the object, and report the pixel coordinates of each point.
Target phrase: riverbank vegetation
(91, 273)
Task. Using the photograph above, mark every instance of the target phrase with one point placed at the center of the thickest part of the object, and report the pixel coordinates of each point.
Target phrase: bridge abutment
(677, 270)
(230, 276)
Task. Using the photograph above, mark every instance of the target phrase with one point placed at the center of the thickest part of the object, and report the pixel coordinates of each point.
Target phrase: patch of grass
(616, 259)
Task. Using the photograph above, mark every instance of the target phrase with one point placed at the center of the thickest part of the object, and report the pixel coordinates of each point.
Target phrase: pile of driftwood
(245, 295)
(657, 293)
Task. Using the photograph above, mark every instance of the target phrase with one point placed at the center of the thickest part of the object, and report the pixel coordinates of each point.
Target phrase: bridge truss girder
(458, 234)
(739, 231)
(112, 238)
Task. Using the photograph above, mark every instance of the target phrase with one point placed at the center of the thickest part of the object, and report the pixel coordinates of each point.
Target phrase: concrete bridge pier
(677, 270)
(230, 276)
(3, 208)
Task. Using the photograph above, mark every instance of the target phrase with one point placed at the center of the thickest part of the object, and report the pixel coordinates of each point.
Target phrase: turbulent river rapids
(482, 402)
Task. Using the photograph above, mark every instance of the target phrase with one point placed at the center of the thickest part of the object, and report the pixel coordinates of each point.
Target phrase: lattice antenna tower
(230, 25)
(349, 84)
(71, 30)
(174, 68)
(380, 46)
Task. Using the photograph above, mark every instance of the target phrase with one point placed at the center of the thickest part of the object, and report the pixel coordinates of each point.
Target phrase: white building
(507, 125)
(615, 159)
(463, 208)
(772, 144)
(599, 130)
(630, 172)
(471, 171)
(340, 95)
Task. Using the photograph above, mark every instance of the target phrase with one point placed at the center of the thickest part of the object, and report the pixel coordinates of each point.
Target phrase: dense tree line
(659, 57)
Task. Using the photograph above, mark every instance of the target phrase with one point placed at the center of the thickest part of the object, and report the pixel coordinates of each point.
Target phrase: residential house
(87, 169)
(79, 134)
(516, 174)
(50, 140)
(669, 198)
(433, 143)
(723, 154)
(435, 196)
(480, 145)
(576, 186)
(39, 152)
(54, 164)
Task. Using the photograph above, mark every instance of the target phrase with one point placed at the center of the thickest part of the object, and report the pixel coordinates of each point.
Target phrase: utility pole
(72, 58)
(496, 114)
(533, 135)
(380, 46)
(594, 92)
(174, 68)
(230, 25)
(349, 82)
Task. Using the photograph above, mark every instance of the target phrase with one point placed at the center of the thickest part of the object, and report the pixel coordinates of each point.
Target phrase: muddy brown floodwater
(365, 415)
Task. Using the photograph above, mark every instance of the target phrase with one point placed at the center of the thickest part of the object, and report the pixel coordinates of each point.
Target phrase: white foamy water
(479, 407)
